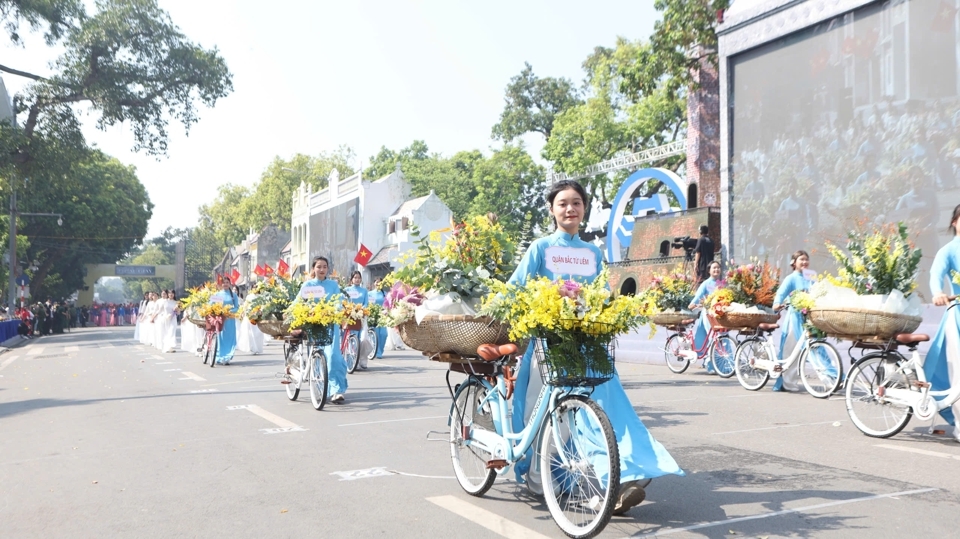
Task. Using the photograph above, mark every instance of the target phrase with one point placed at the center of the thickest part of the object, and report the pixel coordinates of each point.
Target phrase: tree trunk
(36, 284)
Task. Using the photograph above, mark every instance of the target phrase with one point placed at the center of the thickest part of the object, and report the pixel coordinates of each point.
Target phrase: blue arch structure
(620, 228)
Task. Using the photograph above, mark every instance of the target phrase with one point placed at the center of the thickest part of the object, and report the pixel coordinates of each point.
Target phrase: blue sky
(310, 76)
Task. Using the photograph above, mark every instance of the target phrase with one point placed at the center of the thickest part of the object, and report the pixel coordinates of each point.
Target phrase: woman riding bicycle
(336, 365)
(376, 296)
(227, 338)
(641, 456)
(942, 364)
(701, 330)
(356, 293)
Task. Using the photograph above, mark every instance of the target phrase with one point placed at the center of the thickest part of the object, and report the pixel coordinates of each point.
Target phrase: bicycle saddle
(493, 352)
(911, 338)
(768, 327)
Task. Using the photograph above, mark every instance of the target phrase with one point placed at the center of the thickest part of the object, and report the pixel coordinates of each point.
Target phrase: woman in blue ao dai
(336, 365)
(356, 293)
(701, 329)
(376, 297)
(942, 364)
(227, 339)
(641, 456)
(791, 330)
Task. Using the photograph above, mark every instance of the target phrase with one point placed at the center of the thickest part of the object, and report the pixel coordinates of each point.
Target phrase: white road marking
(7, 361)
(35, 351)
(203, 391)
(405, 474)
(353, 475)
(69, 349)
(489, 520)
(776, 427)
(393, 420)
(164, 363)
(170, 370)
(671, 531)
(285, 425)
(190, 376)
(919, 451)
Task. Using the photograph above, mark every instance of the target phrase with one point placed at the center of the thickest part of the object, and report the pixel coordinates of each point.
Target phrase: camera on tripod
(686, 243)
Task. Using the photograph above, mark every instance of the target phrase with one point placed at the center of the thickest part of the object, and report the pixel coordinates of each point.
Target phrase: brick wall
(644, 256)
(703, 135)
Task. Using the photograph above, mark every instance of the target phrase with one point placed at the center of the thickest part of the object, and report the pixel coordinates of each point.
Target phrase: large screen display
(335, 234)
(848, 124)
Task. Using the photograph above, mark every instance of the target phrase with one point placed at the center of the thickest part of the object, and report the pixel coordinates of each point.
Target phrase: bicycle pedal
(778, 368)
(496, 464)
(921, 385)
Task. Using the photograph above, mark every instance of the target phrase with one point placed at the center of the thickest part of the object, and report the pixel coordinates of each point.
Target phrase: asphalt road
(103, 437)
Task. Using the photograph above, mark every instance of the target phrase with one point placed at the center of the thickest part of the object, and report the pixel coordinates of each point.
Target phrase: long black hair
(956, 215)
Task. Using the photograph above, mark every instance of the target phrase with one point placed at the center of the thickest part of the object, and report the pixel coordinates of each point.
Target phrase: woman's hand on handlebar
(942, 299)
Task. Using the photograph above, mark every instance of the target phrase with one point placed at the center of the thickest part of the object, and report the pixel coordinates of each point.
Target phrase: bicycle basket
(574, 358)
(318, 334)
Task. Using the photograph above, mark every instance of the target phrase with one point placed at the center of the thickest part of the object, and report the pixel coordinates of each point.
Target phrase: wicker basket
(199, 322)
(416, 337)
(863, 323)
(274, 328)
(733, 319)
(463, 334)
(672, 318)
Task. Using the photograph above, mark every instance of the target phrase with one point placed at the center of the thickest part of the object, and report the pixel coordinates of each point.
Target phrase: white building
(335, 221)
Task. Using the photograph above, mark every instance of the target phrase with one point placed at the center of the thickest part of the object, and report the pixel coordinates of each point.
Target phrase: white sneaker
(337, 399)
(956, 433)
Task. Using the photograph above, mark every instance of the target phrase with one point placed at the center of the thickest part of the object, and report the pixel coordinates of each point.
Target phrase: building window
(391, 227)
(665, 248)
(691, 196)
(629, 287)
(405, 224)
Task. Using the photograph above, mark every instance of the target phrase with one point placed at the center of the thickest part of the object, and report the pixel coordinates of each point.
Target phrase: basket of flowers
(872, 294)
(744, 299)
(267, 302)
(316, 319)
(196, 298)
(399, 306)
(670, 295)
(214, 315)
(573, 324)
(353, 315)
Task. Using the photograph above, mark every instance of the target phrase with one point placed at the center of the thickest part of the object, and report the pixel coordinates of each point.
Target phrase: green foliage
(878, 262)
(224, 215)
(532, 105)
(511, 185)
(55, 15)
(153, 253)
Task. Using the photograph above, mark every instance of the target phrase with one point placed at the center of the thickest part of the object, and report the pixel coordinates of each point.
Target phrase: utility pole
(12, 281)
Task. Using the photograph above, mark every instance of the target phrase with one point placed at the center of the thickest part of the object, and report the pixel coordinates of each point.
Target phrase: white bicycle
(820, 369)
(885, 389)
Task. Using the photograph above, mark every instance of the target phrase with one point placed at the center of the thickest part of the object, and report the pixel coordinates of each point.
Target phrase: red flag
(219, 279)
(234, 276)
(259, 270)
(363, 256)
(267, 269)
(282, 268)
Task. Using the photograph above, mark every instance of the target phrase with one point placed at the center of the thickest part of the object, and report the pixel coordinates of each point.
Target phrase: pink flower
(750, 267)
(570, 289)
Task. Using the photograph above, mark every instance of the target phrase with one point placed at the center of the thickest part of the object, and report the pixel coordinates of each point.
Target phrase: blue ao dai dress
(701, 329)
(376, 297)
(641, 455)
(227, 339)
(942, 364)
(336, 365)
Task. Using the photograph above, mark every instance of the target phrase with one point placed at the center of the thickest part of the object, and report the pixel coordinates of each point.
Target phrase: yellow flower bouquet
(272, 297)
(574, 322)
(353, 314)
(317, 318)
(197, 298)
(215, 309)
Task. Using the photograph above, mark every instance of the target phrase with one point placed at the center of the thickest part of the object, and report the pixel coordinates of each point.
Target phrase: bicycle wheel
(868, 380)
(350, 352)
(318, 378)
(293, 360)
(215, 340)
(372, 339)
(676, 344)
(205, 347)
(580, 466)
(748, 352)
(467, 414)
(820, 369)
(723, 352)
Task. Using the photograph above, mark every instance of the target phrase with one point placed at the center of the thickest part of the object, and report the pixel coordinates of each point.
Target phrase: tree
(56, 15)
(272, 198)
(105, 212)
(153, 253)
(510, 185)
(132, 65)
(224, 216)
(532, 105)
